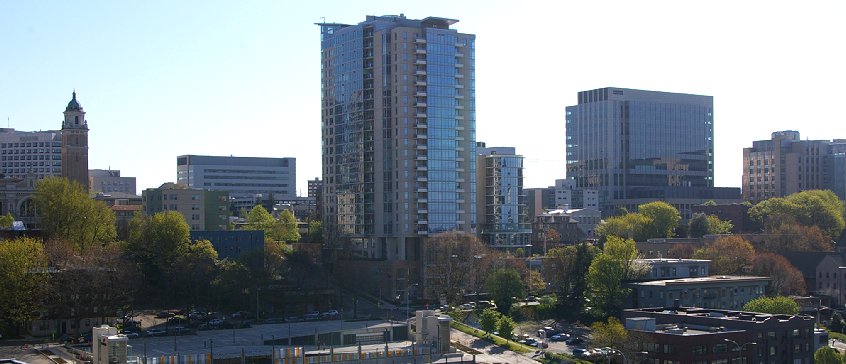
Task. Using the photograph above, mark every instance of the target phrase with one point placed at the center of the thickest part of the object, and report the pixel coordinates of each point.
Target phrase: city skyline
(159, 80)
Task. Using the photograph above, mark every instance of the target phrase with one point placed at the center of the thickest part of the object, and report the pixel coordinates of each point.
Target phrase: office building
(663, 268)
(786, 164)
(398, 140)
(202, 209)
(725, 292)
(247, 179)
(109, 181)
(635, 146)
(538, 201)
(690, 335)
(501, 204)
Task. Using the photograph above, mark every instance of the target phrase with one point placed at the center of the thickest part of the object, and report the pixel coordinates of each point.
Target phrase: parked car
(178, 330)
(215, 322)
(560, 337)
(330, 315)
(293, 318)
(312, 316)
(580, 353)
(155, 332)
(574, 341)
(275, 320)
(163, 314)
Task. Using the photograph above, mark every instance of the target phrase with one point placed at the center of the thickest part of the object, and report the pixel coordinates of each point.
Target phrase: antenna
(322, 19)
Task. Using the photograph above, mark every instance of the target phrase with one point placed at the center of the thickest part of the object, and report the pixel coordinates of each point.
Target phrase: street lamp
(739, 347)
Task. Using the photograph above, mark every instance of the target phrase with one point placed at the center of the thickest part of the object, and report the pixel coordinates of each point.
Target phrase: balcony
(458, 65)
(420, 83)
(422, 147)
(421, 61)
(420, 51)
(420, 72)
(420, 104)
(421, 125)
(458, 85)
(459, 55)
(421, 115)
(422, 94)
(420, 40)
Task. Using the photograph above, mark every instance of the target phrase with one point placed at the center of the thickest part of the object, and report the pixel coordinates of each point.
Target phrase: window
(720, 348)
(700, 349)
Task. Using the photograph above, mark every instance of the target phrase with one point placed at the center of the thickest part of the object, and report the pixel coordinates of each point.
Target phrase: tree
(156, 242)
(457, 262)
(606, 274)
(288, 230)
(68, 213)
(828, 355)
(774, 305)
(785, 279)
(837, 324)
(23, 274)
(506, 327)
(315, 232)
(488, 320)
(728, 254)
(680, 251)
(717, 226)
(569, 268)
(698, 225)
(259, 219)
(663, 219)
(629, 226)
(792, 237)
(611, 334)
(810, 208)
(192, 273)
(6, 221)
(504, 284)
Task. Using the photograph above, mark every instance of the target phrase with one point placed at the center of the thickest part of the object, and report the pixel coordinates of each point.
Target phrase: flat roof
(699, 280)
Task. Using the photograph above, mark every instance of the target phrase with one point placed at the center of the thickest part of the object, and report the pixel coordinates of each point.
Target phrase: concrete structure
(660, 269)
(568, 196)
(245, 178)
(635, 146)
(107, 346)
(501, 205)
(16, 199)
(430, 329)
(38, 153)
(75, 144)
(398, 140)
(109, 180)
(695, 335)
(786, 164)
(724, 292)
(538, 201)
(203, 210)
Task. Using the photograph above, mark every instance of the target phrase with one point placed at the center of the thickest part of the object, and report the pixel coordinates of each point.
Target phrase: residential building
(635, 146)
(700, 335)
(245, 178)
(824, 274)
(501, 204)
(660, 247)
(109, 180)
(202, 209)
(398, 143)
(568, 196)
(662, 268)
(786, 164)
(571, 226)
(75, 144)
(725, 292)
(538, 201)
(736, 213)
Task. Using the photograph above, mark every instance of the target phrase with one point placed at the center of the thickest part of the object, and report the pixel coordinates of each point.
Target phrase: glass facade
(634, 144)
(503, 213)
(398, 122)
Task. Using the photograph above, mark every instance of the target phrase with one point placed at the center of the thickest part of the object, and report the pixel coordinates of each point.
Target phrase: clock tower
(75, 144)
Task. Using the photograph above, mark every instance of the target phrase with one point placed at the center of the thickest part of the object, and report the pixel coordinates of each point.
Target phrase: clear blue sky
(164, 78)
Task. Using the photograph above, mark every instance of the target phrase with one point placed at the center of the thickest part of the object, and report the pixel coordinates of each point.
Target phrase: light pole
(408, 298)
(740, 347)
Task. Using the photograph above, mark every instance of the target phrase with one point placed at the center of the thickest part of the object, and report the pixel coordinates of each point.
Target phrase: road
(490, 353)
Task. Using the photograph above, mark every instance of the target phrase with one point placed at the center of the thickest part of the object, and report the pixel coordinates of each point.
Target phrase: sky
(165, 78)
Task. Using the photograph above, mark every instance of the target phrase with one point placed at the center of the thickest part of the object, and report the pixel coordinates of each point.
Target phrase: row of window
(31, 151)
(30, 144)
(41, 157)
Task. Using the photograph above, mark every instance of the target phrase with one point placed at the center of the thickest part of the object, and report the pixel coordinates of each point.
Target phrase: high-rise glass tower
(398, 135)
(635, 146)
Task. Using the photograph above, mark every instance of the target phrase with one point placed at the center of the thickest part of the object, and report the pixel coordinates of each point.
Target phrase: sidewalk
(490, 353)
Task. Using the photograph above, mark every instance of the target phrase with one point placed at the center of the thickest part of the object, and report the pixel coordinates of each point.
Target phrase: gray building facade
(244, 178)
(635, 146)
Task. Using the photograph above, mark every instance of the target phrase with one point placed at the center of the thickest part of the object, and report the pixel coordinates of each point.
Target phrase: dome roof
(74, 105)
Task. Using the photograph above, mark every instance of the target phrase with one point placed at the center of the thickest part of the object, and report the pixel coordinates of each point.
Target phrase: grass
(508, 344)
(836, 335)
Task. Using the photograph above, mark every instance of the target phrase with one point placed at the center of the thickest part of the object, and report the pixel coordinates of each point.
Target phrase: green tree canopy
(773, 305)
(157, 242)
(828, 355)
(506, 327)
(569, 269)
(611, 334)
(192, 274)
(503, 284)
(6, 221)
(488, 320)
(819, 208)
(629, 226)
(288, 230)
(663, 219)
(606, 275)
(67, 212)
(23, 277)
